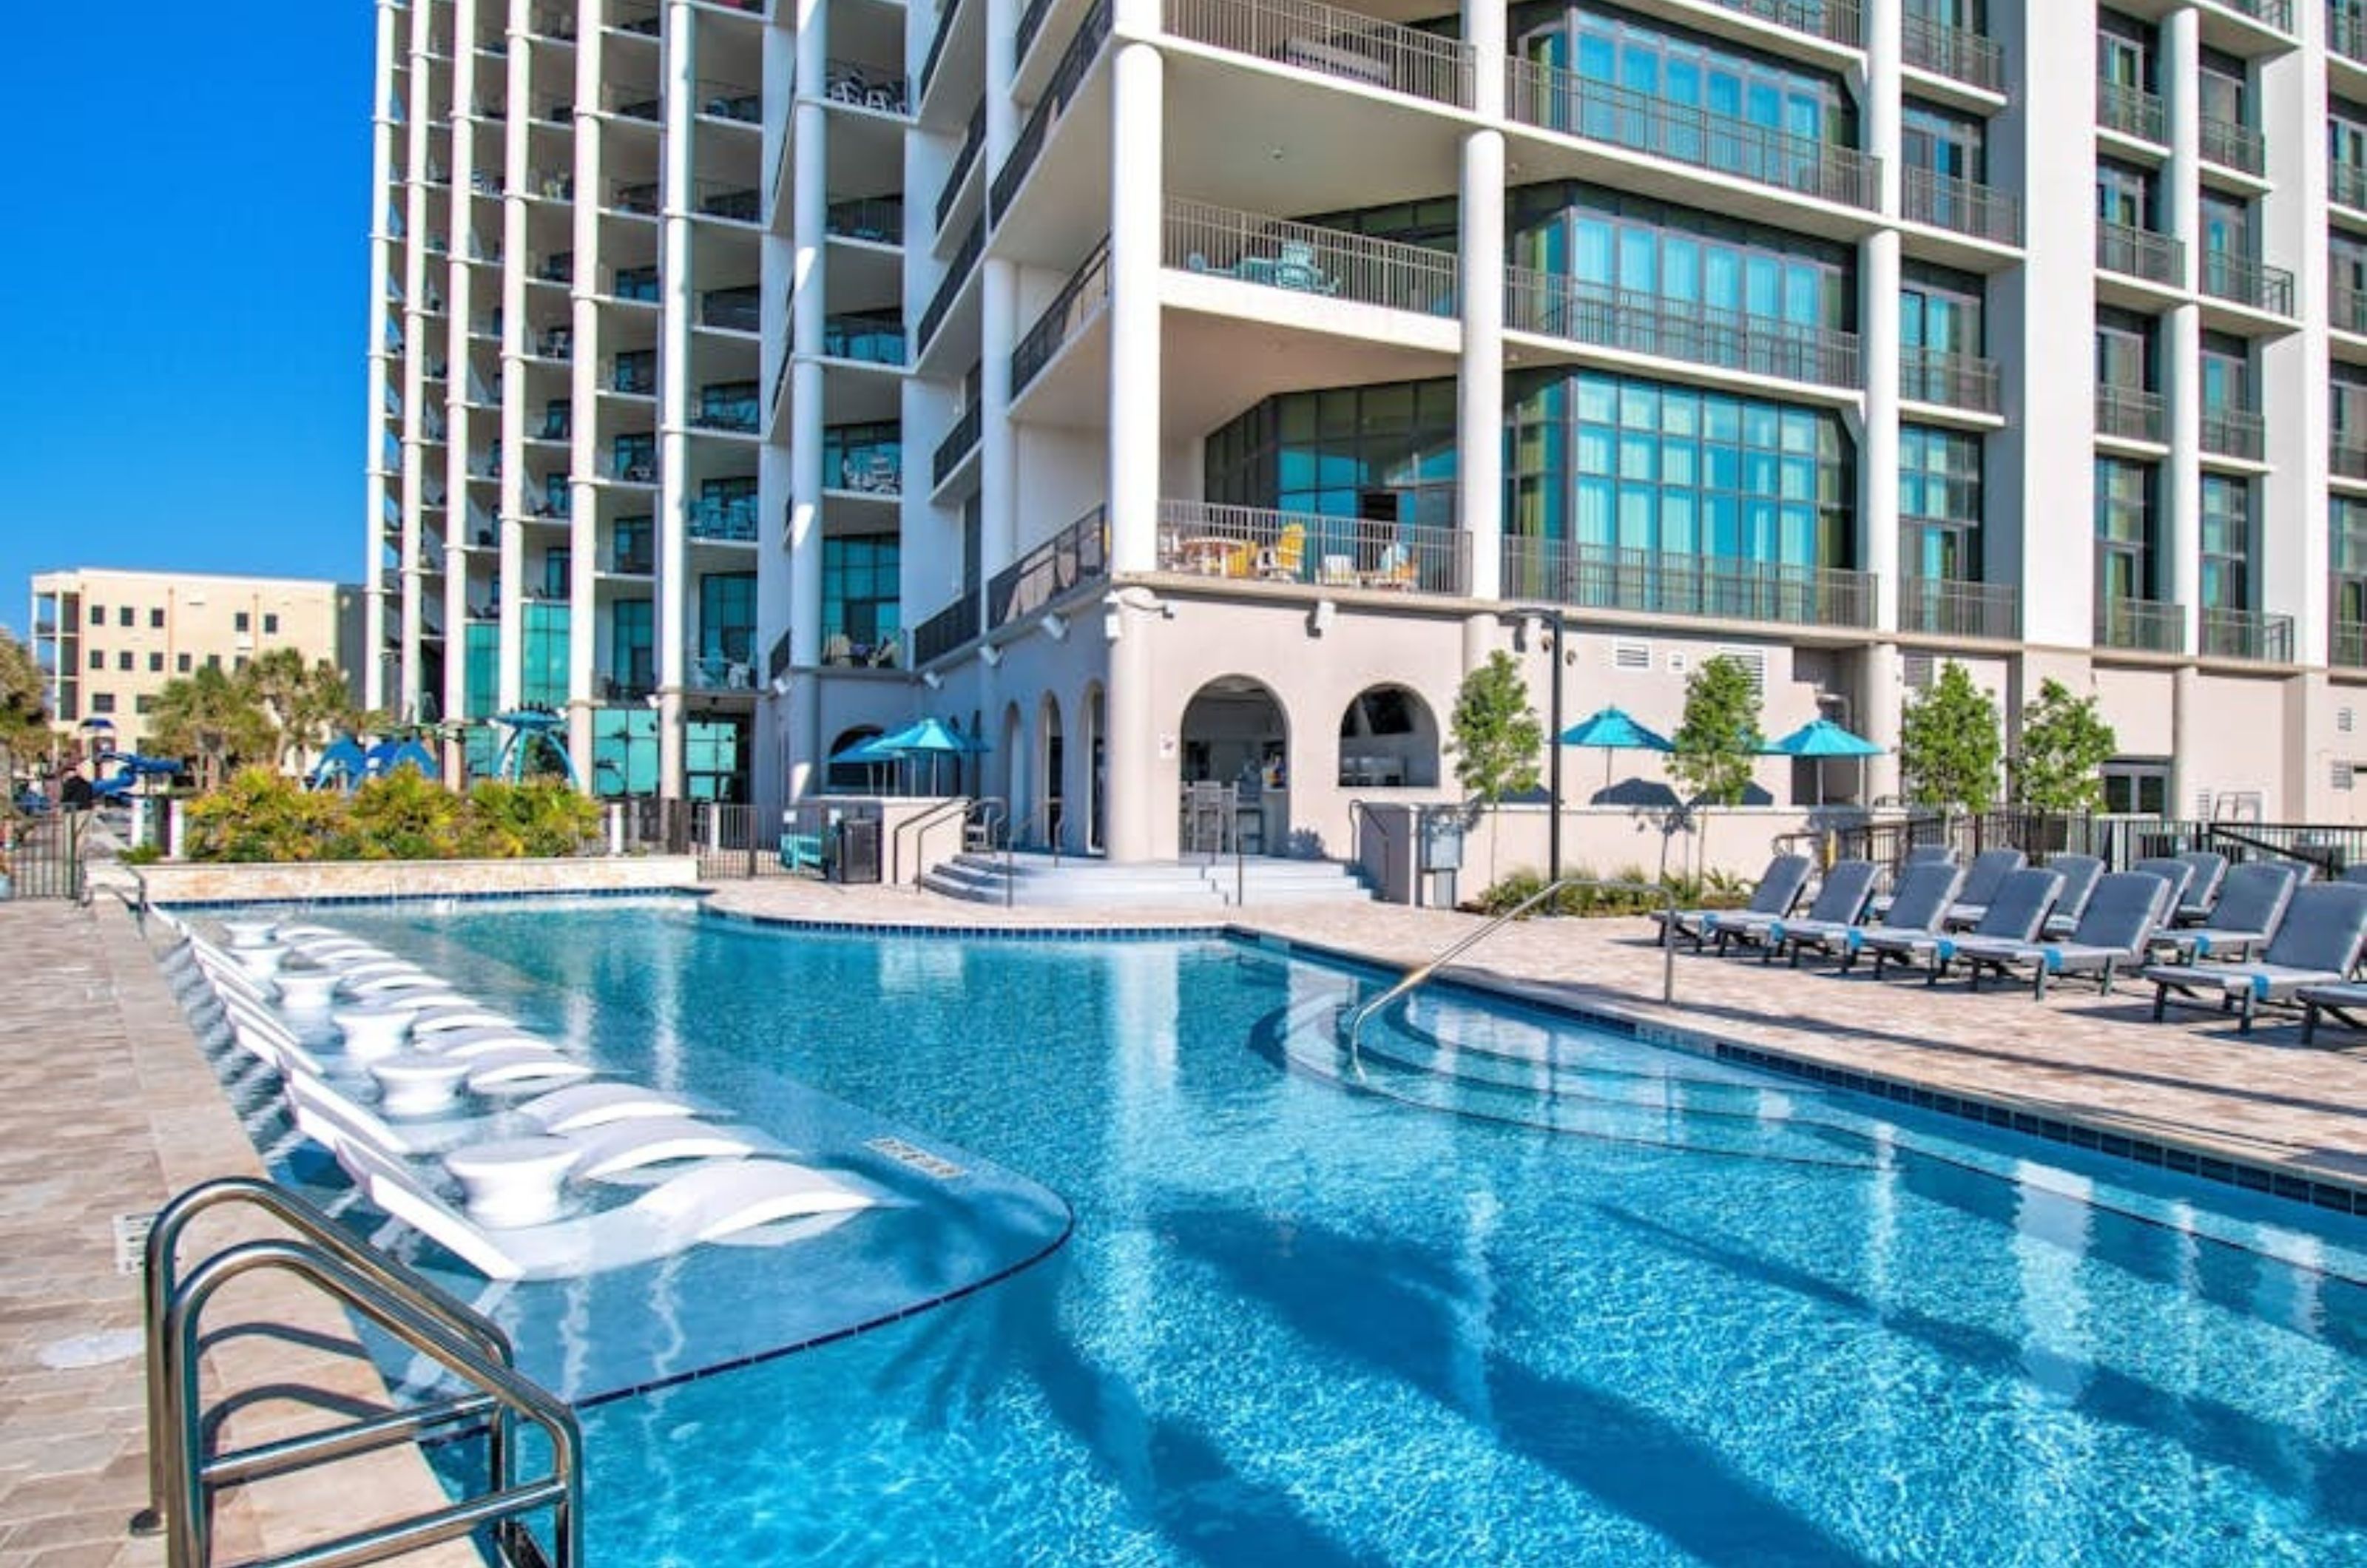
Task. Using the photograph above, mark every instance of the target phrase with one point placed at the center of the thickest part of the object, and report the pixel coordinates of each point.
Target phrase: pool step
(1033, 880)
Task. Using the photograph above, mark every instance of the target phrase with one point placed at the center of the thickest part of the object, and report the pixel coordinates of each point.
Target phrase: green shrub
(141, 854)
(263, 815)
(1717, 891)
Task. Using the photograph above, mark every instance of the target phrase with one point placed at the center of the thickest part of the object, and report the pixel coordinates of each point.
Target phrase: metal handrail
(918, 825)
(1050, 813)
(1358, 806)
(1420, 973)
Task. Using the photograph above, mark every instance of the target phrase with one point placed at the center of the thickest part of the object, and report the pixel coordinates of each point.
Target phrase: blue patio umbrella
(1819, 739)
(930, 738)
(1614, 729)
(867, 752)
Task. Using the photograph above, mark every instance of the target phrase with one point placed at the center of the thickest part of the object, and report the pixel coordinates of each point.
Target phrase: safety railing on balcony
(1836, 21)
(2235, 432)
(1031, 22)
(958, 443)
(634, 284)
(2140, 253)
(2346, 309)
(776, 660)
(1556, 99)
(2132, 111)
(1605, 577)
(727, 518)
(2145, 625)
(1958, 54)
(2277, 14)
(859, 86)
(2131, 414)
(946, 630)
(1071, 308)
(638, 199)
(1252, 544)
(1075, 61)
(2242, 281)
(1077, 555)
(738, 310)
(965, 159)
(2346, 644)
(948, 15)
(1966, 205)
(727, 406)
(2345, 458)
(555, 23)
(1556, 306)
(2234, 146)
(630, 100)
(733, 101)
(878, 219)
(2346, 186)
(1348, 45)
(1940, 607)
(1951, 380)
(732, 202)
(2346, 31)
(949, 288)
(552, 186)
(868, 337)
(2247, 634)
(1220, 242)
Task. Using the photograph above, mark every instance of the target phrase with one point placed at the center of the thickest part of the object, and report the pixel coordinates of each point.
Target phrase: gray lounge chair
(1779, 888)
(2316, 944)
(2113, 931)
(2170, 869)
(2354, 872)
(1982, 878)
(2202, 886)
(2346, 1003)
(1922, 898)
(1841, 898)
(2079, 873)
(2014, 913)
(2244, 918)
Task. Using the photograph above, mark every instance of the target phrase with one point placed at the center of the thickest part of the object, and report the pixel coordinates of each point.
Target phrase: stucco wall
(192, 884)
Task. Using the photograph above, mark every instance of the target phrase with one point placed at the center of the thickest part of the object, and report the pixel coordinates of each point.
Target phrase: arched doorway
(1095, 723)
(1045, 827)
(1018, 775)
(1235, 769)
(852, 778)
(1388, 740)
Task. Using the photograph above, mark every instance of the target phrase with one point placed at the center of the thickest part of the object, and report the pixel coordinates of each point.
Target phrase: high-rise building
(1277, 362)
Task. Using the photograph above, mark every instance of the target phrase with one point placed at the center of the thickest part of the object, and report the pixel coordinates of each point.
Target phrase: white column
(2180, 536)
(677, 201)
(1137, 88)
(584, 384)
(1131, 767)
(459, 302)
(382, 315)
(1479, 379)
(510, 447)
(423, 71)
(808, 312)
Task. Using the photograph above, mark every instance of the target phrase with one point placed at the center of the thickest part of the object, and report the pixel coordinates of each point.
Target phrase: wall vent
(1626, 655)
(1754, 664)
(2342, 720)
(1918, 671)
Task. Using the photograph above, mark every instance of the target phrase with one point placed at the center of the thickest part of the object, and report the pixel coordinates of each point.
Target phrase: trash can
(855, 847)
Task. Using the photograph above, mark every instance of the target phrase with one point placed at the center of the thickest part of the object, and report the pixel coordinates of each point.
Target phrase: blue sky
(184, 280)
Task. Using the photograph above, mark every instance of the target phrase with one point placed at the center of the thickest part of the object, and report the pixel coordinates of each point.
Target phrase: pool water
(1507, 1288)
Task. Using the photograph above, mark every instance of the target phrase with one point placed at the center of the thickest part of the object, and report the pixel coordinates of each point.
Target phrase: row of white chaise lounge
(2236, 936)
(417, 1091)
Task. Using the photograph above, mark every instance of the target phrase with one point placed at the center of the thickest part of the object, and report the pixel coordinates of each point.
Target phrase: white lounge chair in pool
(2316, 944)
(578, 1106)
(1779, 888)
(709, 1203)
(1924, 890)
(2110, 938)
(1839, 900)
(442, 1016)
(510, 1069)
(2250, 906)
(2016, 909)
(394, 980)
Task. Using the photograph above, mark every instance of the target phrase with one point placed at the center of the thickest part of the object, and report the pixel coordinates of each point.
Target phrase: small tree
(1496, 737)
(1720, 734)
(307, 703)
(205, 715)
(24, 720)
(2064, 745)
(1948, 744)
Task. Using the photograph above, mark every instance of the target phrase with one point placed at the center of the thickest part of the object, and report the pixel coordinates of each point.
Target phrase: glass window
(2226, 373)
(2227, 542)
(156, 664)
(2124, 356)
(2346, 559)
(2125, 529)
(181, 663)
(548, 628)
(123, 616)
(102, 702)
(123, 659)
(98, 660)
(156, 619)
(2226, 92)
(270, 625)
(1941, 141)
(240, 621)
(727, 614)
(2124, 53)
(861, 595)
(2124, 194)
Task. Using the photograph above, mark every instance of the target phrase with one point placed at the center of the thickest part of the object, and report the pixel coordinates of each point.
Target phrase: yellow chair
(1282, 560)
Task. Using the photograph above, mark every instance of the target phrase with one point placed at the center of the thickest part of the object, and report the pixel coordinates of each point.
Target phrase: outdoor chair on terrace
(2079, 873)
(2210, 870)
(2316, 946)
(2120, 920)
(2014, 913)
(2175, 872)
(1982, 879)
(2345, 1003)
(1915, 910)
(2251, 904)
(1780, 887)
(1840, 901)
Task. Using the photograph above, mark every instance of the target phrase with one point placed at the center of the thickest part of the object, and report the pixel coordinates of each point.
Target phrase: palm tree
(24, 722)
(307, 705)
(206, 715)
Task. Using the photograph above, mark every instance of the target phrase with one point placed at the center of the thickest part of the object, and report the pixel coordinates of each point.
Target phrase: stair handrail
(1421, 973)
(1050, 812)
(956, 806)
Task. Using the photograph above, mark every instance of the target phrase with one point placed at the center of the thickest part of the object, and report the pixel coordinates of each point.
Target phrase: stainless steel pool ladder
(430, 1321)
(1420, 973)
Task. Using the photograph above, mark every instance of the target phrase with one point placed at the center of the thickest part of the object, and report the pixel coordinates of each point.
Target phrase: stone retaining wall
(298, 881)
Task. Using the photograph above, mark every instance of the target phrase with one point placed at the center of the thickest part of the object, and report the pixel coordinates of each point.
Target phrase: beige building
(109, 641)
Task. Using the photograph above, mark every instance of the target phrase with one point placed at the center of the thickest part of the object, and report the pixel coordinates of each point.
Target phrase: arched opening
(1018, 777)
(1044, 825)
(853, 777)
(1235, 769)
(1095, 723)
(1388, 740)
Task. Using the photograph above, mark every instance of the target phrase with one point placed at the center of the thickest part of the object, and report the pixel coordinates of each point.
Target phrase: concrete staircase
(1033, 881)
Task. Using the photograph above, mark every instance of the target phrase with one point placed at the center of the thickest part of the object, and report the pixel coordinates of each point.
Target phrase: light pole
(1553, 744)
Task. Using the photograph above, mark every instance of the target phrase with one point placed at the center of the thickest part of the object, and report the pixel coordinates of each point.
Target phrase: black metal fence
(2119, 841)
(41, 857)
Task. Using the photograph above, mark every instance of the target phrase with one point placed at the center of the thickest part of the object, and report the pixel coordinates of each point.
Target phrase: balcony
(948, 13)
(958, 443)
(2140, 253)
(1065, 79)
(1219, 242)
(635, 284)
(965, 158)
(1958, 53)
(635, 103)
(1605, 577)
(1950, 380)
(1348, 45)
(876, 219)
(2347, 648)
(868, 337)
(949, 287)
(2346, 186)
(633, 460)
(2131, 414)
(2346, 309)
(1835, 21)
(2142, 626)
(727, 406)
(730, 519)
(2234, 146)
(737, 310)
(631, 560)
(2242, 281)
(1030, 23)
(2346, 459)
(731, 100)
(733, 204)
(946, 630)
(634, 374)
(2248, 634)
(1068, 312)
(2346, 34)
(2277, 14)
(1554, 99)
(1968, 208)
(2133, 111)
(1077, 555)
(1938, 607)
(1252, 544)
(864, 86)
(1554, 305)
(2234, 432)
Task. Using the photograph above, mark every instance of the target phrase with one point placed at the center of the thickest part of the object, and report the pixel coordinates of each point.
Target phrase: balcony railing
(1031, 22)
(2346, 186)
(1348, 45)
(1554, 305)
(626, 102)
(1077, 555)
(1965, 206)
(732, 101)
(2234, 146)
(2346, 309)
(1604, 577)
(1252, 544)
(2245, 281)
(2140, 253)
(965, 158)
(879, 219)
(2247, 634)
(1556, 99)
(1836, 21)
(737, 310)
(2132, 111)
(1951, 380)
(946, 630)
(2145, 625)
(2277, 14)
(948, 15)
(870, 337)
(732, 203)
(1220, 242)
(1939, 607)
(949, 288)
(1958, 54)
(730, 407)
(2234, 432)
(1068, 312)
(2346, 459)
(958, 443)
(1067, 78)
(2345, 33)
(639, 198)
(2347, 646)
(729, 518)
(2130, 413)
(864, 86)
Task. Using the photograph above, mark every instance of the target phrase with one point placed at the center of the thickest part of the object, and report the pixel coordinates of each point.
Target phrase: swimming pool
(1524, 1292)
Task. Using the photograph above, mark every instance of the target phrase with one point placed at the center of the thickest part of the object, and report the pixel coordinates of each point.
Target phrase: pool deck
(107, 1109)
